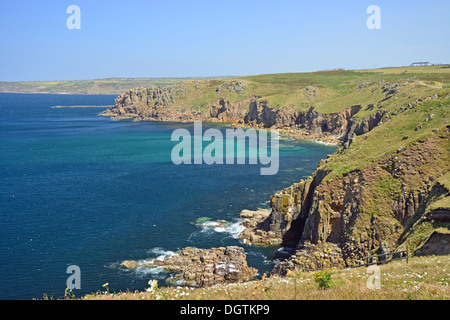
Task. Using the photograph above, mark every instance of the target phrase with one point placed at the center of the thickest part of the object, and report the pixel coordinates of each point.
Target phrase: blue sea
(79, 189)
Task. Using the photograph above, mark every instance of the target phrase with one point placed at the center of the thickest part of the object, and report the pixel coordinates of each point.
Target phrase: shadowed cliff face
(329, 221)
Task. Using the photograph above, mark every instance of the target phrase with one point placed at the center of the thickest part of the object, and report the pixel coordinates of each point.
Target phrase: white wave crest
(222, 226)
(160, 254)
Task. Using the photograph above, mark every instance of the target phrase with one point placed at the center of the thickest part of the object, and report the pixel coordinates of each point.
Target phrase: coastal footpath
(386, 187)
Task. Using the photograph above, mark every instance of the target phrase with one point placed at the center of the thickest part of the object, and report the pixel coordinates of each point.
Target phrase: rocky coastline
(203, 267)
(160, 104)
(322, 220)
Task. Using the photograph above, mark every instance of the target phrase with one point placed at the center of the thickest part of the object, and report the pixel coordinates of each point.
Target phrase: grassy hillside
(401, 131)
(335, 90)
(95, 86)
(422, 278)
(328, 92)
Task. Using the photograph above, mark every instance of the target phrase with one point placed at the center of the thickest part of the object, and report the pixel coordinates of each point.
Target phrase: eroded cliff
(338, 222)
(166, 104)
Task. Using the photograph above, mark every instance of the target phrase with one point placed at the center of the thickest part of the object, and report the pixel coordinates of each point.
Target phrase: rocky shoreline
(323, 221)
(160, 104)
(203, 267)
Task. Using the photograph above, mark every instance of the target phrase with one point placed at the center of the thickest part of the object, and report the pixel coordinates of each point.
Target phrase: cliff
(387, 185)
(166, 104)
(366, 211)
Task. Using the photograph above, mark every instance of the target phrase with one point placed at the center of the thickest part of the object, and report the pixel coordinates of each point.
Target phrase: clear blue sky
(173, 38)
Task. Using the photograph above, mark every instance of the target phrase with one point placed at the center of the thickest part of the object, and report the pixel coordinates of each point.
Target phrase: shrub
(323, 278)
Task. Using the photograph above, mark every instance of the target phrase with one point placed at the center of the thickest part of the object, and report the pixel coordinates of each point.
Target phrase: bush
(323, 278)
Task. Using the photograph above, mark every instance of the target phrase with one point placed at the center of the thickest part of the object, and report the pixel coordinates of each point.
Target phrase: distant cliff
(161, 104)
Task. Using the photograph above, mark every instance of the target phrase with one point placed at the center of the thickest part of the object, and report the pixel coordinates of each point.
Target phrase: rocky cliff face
(160, 104)
(327, 222)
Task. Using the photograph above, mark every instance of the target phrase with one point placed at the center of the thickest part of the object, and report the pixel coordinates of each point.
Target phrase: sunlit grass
(421, 278)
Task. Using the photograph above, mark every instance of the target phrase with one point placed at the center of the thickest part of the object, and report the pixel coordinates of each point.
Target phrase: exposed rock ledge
(311, 257)
(204, 267)
(255, 231)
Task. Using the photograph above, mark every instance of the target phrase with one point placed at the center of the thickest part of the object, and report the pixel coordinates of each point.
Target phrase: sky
(194, 38)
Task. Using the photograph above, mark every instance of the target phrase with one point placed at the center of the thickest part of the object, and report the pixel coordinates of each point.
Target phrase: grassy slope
(96, 86)
(342, 92)
(329, 92)
(421, 278)
(394, 134)
(338, 90)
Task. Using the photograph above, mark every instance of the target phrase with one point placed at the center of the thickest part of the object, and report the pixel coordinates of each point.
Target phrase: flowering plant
(323, 278)
(153, 285)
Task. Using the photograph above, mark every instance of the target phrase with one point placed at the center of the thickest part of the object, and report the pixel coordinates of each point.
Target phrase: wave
(222, 226)
(155, 272)
(144, 268)
(262, 257)
(323, 142)
(159, 253)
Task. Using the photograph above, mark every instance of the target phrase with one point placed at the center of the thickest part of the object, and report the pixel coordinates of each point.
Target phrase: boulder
(129, 264)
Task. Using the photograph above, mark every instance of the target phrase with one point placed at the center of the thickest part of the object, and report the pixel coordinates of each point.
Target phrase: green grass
(96, 86)
(398, 131)
(379, 202)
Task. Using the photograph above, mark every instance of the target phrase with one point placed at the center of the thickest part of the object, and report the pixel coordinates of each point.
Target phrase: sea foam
(222, 226)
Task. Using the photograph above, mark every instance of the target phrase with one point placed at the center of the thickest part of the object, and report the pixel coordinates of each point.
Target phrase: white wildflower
(153, 285)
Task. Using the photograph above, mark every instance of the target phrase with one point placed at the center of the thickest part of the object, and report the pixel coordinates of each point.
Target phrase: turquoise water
(78, 189)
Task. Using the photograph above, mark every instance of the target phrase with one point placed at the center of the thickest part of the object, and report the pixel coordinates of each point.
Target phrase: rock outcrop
(311, 257)
(326, 222)
(160, 104)
(256, 228)
(204, 267)
(146, 103)
(232, 86)
(437, 244)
